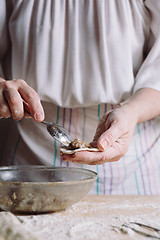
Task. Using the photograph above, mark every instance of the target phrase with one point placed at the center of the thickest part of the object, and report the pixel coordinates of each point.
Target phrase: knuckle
(5, 84)
(31, 95)
(110, 136)
(12, 83)
(20, 82)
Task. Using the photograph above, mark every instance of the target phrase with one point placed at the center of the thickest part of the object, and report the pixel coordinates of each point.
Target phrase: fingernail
(39, 116)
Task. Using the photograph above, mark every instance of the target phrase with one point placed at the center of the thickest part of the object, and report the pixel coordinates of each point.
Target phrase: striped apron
(136, 173)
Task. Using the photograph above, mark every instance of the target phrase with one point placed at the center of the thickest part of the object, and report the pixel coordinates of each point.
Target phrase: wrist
(131, 109)
(144, 104)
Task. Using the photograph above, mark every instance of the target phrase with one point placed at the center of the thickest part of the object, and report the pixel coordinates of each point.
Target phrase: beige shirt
(82, 53)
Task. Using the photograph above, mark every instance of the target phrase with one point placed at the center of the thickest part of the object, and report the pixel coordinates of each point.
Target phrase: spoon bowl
(58, 133)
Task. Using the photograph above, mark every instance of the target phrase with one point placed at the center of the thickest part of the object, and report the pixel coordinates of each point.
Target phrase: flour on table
(86, 220)
(92, 219)
(12, 229)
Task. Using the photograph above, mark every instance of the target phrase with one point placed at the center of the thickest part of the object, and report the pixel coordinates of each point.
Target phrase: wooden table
(93, 218)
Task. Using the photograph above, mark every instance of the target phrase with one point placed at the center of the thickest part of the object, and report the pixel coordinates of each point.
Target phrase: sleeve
(5, 10)
(148, 75)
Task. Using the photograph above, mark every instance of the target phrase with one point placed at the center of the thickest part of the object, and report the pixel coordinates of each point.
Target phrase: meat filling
(77, 143)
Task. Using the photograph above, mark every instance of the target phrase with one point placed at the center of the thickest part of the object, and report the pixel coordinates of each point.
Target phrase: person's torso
(78, 53)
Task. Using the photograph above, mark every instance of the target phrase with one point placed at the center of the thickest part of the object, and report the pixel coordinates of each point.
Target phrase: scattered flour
(93, 219)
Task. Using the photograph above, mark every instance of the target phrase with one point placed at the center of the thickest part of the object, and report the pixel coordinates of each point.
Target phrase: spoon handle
(44, 122)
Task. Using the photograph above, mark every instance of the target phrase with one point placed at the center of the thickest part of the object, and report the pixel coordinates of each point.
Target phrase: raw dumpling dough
(77, 145)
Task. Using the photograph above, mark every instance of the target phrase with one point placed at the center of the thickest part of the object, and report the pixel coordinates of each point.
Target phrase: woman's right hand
(16, 96)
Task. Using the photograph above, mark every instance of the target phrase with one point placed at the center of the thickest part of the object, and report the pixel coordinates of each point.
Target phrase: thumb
(109, 137)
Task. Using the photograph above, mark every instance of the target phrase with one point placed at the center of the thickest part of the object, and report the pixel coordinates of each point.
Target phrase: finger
(11, 91)
(33, 101)
(67, 157)
(15, 102)
(110, 136)
(26, 115)
(4, 108)
(27, 111)
(93, 158)
(100, 129)
(101, 126)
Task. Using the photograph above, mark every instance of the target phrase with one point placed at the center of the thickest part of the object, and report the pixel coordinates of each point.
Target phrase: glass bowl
(42, 189)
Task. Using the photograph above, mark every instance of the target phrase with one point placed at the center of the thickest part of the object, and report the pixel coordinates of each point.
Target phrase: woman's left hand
(112, 137)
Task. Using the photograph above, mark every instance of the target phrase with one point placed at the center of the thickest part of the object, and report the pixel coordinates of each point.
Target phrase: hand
(16, 97)
(112, 137)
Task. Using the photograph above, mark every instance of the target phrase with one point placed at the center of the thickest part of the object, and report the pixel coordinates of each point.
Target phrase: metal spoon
(58, 133)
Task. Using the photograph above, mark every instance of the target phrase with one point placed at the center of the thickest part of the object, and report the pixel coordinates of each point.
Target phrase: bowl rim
(92, 175)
